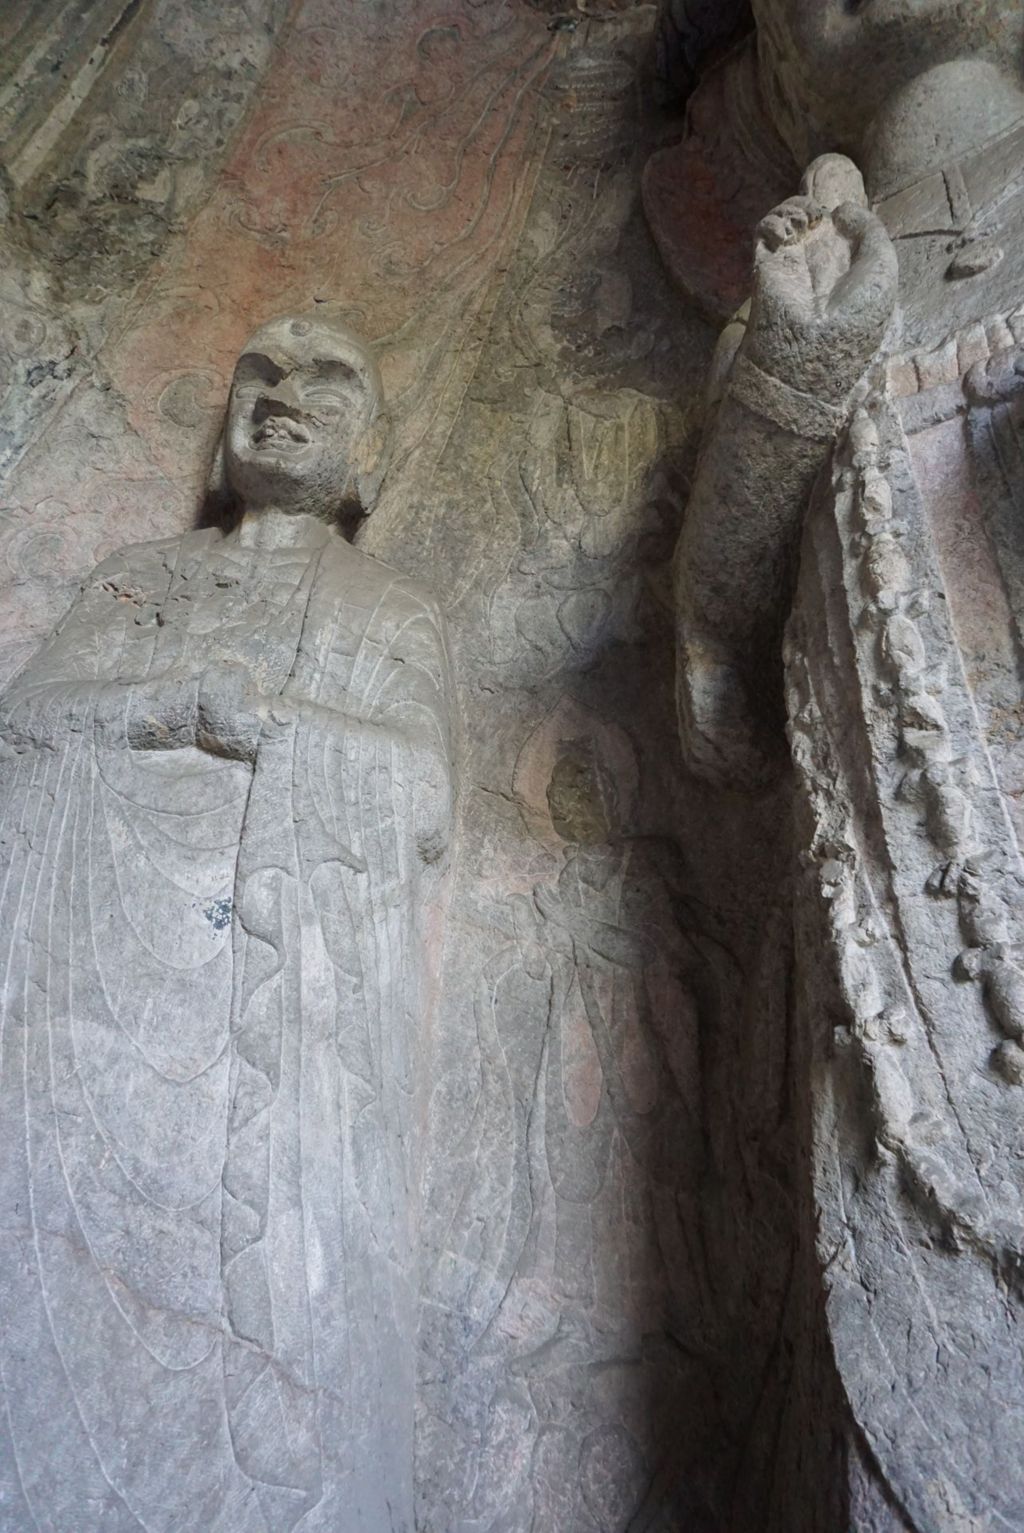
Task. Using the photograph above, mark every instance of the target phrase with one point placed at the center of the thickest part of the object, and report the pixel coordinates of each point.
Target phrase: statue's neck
(932, 123)
(267, 528)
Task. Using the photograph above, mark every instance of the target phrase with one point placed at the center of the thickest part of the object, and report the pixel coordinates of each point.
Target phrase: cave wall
(615, 1261)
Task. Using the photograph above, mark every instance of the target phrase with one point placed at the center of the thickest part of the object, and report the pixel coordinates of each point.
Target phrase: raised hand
(825, 283)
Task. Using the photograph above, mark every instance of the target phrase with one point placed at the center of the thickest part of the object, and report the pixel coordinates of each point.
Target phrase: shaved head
(304, 429)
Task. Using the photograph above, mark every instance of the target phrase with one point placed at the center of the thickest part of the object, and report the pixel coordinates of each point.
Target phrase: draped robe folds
(906, 708)
(215, 978)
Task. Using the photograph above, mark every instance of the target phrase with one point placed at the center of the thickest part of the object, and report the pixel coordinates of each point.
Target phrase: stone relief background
(611, 1264)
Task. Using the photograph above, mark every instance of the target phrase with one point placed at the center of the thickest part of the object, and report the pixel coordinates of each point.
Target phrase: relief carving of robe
(906, 699)
(217, 975)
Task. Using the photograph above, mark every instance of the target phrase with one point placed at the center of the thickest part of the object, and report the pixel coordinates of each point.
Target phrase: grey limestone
(858, 477)
(227, 794)
(506, 1030)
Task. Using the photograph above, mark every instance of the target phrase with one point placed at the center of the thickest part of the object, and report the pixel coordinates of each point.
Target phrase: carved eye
(332, 383)
(255, 372)
(324, 401)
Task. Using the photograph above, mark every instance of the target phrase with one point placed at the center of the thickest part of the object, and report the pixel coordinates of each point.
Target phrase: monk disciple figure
(871, 398)
(225, 808)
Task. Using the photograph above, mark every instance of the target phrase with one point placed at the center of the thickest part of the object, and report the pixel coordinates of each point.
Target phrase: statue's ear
(372, 456)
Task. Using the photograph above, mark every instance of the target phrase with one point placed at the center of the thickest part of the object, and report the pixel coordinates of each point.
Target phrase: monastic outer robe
(216, 976)
(906, 706)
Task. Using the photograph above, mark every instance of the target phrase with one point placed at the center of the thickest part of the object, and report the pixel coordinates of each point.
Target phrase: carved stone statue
(226, 797)
(871, 399)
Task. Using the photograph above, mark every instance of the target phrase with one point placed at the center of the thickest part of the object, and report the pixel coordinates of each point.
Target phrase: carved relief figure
(226, 797)
(875, 381)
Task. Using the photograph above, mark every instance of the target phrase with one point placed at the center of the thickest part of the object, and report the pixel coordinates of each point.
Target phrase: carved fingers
(228, 720)
(158, 714)
(865, 294)
(825, 287)
(787, 224)
(784, 270)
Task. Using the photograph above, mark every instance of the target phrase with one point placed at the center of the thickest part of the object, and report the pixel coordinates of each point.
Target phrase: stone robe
(216, 979)
(906, 700)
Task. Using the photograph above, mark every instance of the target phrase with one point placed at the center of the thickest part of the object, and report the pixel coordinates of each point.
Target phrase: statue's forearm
(169, 713)
(341, 726)
(735, 557)
(423, 759)
(33, 717)
(425, 753)
(733, 575)
(159, 714)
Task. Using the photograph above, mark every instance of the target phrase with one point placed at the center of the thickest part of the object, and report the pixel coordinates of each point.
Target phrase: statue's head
(305, 430)
(831, 65)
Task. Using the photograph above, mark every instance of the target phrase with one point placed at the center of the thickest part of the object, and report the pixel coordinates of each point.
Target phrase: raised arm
(825, 278)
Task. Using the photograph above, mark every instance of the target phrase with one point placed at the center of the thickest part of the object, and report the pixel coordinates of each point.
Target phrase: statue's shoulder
(152, 562)
(381, 583)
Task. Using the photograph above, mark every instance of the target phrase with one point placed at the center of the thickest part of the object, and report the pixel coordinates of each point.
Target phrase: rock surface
(226, 790)
(859, 475)
(462, 184)
(707, 1137)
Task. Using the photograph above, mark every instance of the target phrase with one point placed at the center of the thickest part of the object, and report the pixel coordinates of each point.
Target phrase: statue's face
(302, 398)
(843, 59)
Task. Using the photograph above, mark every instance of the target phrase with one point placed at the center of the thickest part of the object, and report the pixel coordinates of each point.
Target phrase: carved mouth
(281, 435)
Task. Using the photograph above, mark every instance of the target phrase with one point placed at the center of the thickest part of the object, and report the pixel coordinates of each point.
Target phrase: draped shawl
(215, 978)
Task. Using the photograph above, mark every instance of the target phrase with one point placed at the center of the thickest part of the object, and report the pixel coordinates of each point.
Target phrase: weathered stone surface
(462, 182)
(226, 807)
(684, 1162)
(115, 119)
(883, 366)
(688, 33)
(385, 166)
(704, 198)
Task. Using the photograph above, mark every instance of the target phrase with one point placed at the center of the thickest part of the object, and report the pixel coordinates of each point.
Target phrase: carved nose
(280, 400)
